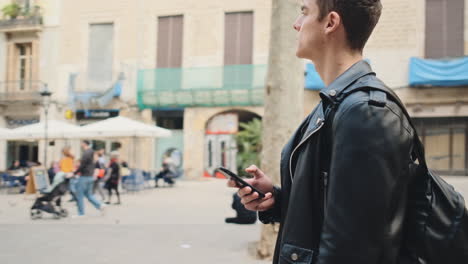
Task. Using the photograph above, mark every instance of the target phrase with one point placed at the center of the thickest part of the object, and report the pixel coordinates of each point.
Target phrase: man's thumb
(255, 171)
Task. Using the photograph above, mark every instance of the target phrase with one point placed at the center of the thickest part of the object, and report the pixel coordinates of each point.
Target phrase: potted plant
(11, 10)
(249, 144)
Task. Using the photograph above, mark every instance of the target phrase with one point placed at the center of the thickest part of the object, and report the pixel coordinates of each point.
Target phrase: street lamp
(45, 94)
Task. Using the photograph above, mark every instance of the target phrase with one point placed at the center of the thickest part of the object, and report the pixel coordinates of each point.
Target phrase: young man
(343, 179)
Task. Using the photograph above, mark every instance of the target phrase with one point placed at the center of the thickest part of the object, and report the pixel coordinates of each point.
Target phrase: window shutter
(444, 28)
(170, 42)
(238, 38)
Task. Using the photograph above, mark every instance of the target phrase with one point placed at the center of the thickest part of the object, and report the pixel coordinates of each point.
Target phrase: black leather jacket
(361, 219)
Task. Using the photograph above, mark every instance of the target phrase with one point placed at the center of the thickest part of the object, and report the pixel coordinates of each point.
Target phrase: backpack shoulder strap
(378, 93)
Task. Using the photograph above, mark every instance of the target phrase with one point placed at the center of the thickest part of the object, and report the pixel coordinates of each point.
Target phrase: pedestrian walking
(86, 179)
(112, 182)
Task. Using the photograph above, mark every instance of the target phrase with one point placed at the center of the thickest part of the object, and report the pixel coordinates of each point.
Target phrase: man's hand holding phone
(251, 199)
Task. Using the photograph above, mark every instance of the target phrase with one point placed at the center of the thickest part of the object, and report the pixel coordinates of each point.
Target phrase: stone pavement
(184, 224)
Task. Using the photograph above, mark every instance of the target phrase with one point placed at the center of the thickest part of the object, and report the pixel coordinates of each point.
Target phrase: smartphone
(239, 180)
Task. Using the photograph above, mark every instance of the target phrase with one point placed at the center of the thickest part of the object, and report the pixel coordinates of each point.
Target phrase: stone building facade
(170, 63)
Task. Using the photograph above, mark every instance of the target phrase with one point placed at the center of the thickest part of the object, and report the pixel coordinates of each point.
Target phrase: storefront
(24, 151)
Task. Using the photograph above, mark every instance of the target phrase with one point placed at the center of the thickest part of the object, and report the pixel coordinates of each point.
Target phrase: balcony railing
(32, 23)
(13, 91)
(233, 85)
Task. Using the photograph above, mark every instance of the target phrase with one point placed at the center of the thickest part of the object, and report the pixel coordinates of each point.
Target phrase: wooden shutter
(238, 38)
(246, 35)
(230, 38)
(170, 42)
(100, 56)
(444, 28)
(455, 25)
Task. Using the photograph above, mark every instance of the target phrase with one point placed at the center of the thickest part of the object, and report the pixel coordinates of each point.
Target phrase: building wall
(398, 36)
(48, 63)
(3, 55)
(64, 50)
(135, 25)
(135, 47)
(47, 45)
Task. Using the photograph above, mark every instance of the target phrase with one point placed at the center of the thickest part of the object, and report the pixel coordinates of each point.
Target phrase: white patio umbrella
(4, 132)
(55, 130)
(119, 127)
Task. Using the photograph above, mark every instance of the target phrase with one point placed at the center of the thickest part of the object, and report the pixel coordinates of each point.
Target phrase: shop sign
(96, 114)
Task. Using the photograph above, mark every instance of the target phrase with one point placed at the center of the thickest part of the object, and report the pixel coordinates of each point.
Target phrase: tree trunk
(283, 100)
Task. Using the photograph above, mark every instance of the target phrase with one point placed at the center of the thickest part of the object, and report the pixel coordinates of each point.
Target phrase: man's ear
(333, 22)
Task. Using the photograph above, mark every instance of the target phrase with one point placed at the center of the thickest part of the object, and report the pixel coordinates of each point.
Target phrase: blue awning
(312, 79)
(430, 72)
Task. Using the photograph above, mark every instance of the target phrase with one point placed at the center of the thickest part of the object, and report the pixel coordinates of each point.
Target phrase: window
(170, 38)
(238, 38)
(444, 28)
(445, 142)
(210, 153)
(100, 56)
(24, 72)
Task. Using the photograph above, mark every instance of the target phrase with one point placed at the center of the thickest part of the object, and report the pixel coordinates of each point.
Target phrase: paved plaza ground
(184, 224)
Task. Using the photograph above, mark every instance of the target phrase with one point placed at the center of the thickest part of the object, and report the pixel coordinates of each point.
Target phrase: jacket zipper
(302, 142)
(325, 192)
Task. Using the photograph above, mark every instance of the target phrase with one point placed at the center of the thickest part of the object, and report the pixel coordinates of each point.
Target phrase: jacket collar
(355, 72)
(358, 70)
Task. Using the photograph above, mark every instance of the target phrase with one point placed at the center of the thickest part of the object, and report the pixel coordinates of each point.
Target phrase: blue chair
(134, 182)
(147, 178)
(9, 182)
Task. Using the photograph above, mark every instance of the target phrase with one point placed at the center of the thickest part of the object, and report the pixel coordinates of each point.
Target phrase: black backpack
(436, 224)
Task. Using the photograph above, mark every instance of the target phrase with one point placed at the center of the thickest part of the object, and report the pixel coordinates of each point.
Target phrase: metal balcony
(32, 23)
(20, 91)
(233, 85)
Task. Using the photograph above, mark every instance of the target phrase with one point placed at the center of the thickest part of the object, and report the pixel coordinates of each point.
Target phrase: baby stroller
(51, 202)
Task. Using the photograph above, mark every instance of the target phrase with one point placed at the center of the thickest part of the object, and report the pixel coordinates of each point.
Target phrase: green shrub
(249, 144)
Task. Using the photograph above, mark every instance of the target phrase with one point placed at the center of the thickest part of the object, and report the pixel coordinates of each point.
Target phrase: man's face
(311, 33)
(83, 145)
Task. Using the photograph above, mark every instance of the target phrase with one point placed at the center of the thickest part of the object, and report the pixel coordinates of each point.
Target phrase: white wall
(48, 62)
(399, 35)
(3, 55)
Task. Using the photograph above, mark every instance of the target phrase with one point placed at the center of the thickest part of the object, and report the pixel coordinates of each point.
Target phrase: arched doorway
(220, 140)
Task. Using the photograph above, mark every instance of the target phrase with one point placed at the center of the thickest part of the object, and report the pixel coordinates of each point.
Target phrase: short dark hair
(86, 142)
(359, 18)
